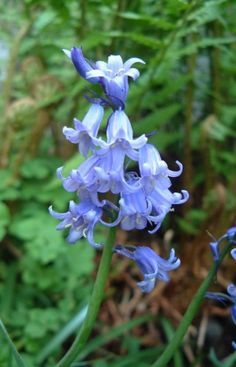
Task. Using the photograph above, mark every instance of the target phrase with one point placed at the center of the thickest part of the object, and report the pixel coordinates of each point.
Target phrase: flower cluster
(230, 236)
(140, 199)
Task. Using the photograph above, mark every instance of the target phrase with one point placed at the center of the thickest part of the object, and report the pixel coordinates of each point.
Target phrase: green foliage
(186, 93)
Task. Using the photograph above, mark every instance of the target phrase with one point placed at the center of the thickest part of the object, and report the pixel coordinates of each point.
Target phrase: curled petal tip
(67, 52)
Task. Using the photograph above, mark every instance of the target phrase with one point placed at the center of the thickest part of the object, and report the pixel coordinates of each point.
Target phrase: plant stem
(190, 313)
(94, 304)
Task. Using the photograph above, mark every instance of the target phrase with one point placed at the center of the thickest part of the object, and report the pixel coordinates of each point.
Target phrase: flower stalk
(94, 304)
(191, 312)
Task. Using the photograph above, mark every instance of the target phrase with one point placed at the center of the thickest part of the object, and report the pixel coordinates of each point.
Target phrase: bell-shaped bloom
(162, 201)
(152, 266)
(134, 210)
(231, 235)
(214, 247)
(102, 172)
(113, 75)
(81, 219)
(86, 131)
(120, 133)
(154, 171)
(81, 64)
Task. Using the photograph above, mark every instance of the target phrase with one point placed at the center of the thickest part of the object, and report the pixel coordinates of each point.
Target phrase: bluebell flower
(154, 171)
(102, 172)
(214, 247)
(153, 267)
(120, 134)
(113, 75)
(162, 202)
(231, 234)
(86, 131)
(81, 64)
(80, 219)
(134, 210)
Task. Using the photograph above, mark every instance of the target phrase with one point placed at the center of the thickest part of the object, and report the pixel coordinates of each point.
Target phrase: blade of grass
(112, 334)
(169, 332)
(18, 359)
(63, 334)
(227, 362)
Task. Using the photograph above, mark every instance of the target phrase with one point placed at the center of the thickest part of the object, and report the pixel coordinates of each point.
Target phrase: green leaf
(112, 334)
(156, 119)
(4, 219)
(62, 335)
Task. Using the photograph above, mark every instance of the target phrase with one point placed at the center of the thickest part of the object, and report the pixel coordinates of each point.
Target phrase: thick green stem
(94, 304)
(190, 313)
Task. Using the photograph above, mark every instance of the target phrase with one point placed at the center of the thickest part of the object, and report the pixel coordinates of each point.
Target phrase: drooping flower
(153, 267)
(81, 219)
(214, 247)
(86, 131)
(154, 171)
(113, 75)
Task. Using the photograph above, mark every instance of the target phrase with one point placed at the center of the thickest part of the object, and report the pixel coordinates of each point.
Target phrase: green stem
(94, 304)
(190, 313)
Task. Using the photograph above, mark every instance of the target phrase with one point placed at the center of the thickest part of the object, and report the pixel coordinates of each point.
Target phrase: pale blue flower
(80, 219)
(214, 247)
(154, 171)
(86, 131)
(231, 235)
(113, 75)
(153, 267)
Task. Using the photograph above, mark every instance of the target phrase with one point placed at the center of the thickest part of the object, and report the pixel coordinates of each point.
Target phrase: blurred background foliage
(186, 95)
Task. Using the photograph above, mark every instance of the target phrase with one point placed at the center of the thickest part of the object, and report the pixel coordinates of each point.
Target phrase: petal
(95, 74)
(233, 253)
(75, 235)
(132, 61)
(84, 145)
(115, 63)
(124, 251)
(147, 286)
(128, 223)
(233, 314)
(101, 65)
(117, 90)
(71, 134)
(67, 52)
(56, 214)
(176, 173)
(133, 73)
(231, 289)
(80, 63)
(179, 199)
(91, 240)
(138, 142)
(214, 247)
(93, 118)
